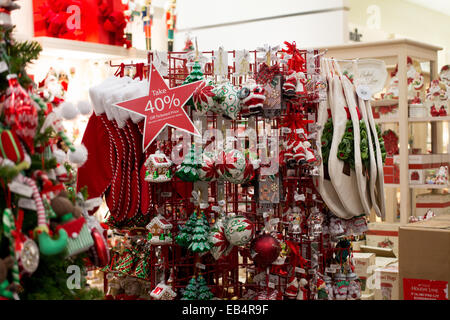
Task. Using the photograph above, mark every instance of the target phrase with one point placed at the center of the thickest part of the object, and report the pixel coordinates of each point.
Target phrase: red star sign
(162, 107)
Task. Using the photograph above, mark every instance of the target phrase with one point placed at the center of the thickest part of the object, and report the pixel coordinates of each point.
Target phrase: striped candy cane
(40, 209)
(66, 141)
(9, 226)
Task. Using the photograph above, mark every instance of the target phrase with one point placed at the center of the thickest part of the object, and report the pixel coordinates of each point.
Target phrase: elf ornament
(264, 250)
(80, 239)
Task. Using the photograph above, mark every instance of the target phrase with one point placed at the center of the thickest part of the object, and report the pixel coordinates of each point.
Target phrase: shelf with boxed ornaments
(426, 171)
(385, 110)
(429, 171)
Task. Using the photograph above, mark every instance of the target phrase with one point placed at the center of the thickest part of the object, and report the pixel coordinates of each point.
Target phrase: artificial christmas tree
(31, 176)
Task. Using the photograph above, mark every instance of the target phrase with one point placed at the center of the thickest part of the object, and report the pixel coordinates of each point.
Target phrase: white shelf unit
(82, 50)
(395, 52)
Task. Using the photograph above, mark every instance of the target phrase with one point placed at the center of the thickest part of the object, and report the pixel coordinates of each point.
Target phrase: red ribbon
(121, 71)
(19, 237)
(297, 62)
(297, 258)
(139, 71)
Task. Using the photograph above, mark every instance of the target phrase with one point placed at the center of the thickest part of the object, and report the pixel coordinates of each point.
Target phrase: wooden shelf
(392, 185)
(386, 120)
(429, 186)
(82, 50)
(395, 52)
(384, 102)
(429, 119)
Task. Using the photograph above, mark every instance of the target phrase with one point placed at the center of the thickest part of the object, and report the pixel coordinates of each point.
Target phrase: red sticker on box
(419, 289)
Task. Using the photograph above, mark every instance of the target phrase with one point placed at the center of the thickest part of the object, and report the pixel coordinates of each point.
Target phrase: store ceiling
(442, 6)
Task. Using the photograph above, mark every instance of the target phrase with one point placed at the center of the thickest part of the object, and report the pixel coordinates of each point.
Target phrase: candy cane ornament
(47, 245)
(9, 226)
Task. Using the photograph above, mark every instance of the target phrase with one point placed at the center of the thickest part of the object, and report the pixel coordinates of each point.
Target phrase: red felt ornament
(296, 62)
(10, 147)
(20, 112)
(390, 142)
(264, 250)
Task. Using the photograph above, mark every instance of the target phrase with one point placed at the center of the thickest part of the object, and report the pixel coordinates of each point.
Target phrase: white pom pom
(27, 158)
(84, 107)
(68, 111)
(79, 156)
(7, 163)
(60, 156)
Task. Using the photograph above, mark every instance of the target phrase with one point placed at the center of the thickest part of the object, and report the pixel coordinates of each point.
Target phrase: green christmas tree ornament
(200, 236)
(188, 169)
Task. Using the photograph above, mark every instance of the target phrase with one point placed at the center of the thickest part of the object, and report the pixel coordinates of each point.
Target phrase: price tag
(200, 265)
(311, 271)
(271, 285)
(3, 66)
(20, 188)
(285, 130)
(273, 278)
(330, 270)
(259, 277)
(274, 221)
(335, 266)
(299, 270)
(166, 194)
(261, 145)
(27, 204)
(93, 203)
(364, 92)
(51, 174)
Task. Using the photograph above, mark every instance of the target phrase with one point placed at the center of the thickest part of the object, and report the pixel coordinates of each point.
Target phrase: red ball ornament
(264, 250)
(99, 252)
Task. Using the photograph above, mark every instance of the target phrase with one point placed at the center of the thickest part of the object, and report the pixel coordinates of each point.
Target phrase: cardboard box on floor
(387, 282)
(424, 259)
